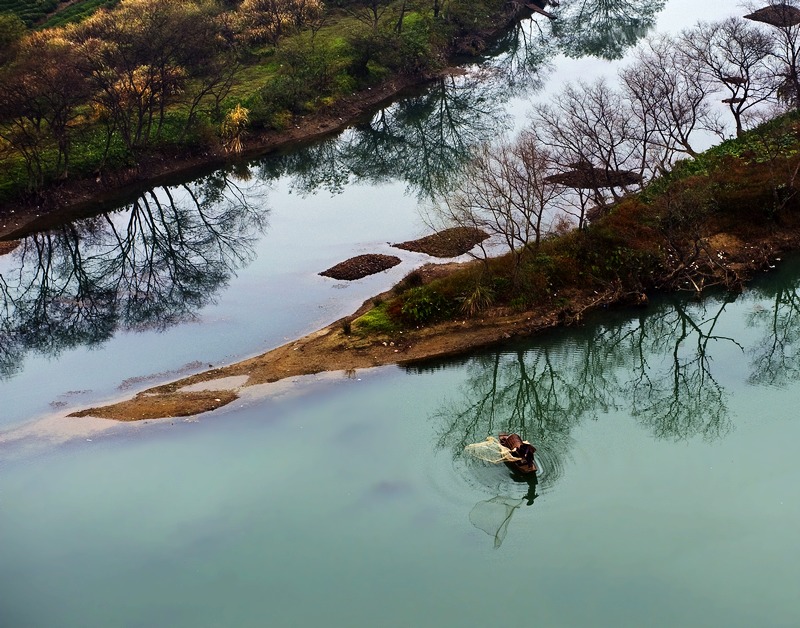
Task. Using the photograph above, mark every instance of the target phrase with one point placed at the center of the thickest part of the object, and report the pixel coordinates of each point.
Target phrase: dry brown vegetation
(361, 266)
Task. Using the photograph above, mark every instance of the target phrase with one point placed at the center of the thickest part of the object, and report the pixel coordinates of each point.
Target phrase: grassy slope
(49, 13)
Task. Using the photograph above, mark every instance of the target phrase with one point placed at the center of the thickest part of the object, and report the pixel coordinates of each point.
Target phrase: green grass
(75, 13)
(29, 11)
(776, 138)
(51, 13)
(375, 322)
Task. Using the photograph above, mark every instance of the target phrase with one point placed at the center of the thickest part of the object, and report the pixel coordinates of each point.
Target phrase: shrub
(425, 305)
(411, 280)
(480, 298)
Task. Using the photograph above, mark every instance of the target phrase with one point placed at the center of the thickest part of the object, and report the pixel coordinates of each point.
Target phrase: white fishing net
(493, 516)
(490, 450)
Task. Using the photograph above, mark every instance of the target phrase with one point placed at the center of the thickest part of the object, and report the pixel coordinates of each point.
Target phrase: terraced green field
(45, 13)
(30, 11)
(76, 12)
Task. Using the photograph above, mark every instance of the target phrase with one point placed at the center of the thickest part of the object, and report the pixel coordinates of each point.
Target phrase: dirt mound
(780, 15)
(448, 243)
(361, 266)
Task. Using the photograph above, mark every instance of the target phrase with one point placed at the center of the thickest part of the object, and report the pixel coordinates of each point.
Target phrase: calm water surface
(667, 494)
(666, 436)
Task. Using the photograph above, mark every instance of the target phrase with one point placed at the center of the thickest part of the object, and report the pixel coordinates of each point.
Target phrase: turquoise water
(666, 496)
(665, 436)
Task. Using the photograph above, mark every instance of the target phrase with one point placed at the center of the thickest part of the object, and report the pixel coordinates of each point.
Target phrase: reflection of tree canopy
(155, 263)
(603, 28)
(659, 365)
(422, 140)
(522, 55)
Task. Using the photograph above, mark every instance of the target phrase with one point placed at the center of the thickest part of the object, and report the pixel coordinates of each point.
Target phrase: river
(665, 435)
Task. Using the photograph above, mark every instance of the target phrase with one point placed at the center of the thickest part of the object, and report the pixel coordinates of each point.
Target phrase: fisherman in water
(519, 449)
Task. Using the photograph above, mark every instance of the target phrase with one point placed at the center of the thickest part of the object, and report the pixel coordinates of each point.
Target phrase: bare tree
(369, 12)
(782, 17)
(734, 56)
(504, 191)
(595, 144)
(669, 97)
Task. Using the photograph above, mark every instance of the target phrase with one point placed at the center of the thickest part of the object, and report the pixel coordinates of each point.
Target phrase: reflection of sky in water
(277, 297)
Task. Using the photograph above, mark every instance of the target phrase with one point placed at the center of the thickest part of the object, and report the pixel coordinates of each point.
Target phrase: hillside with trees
(144, 80)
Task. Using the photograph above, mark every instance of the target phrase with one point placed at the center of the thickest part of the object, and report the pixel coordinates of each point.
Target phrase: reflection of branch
(603, 28)
(776, 361)
(686, 399)
(660, 363)
(75, 285)
(423, 140)
(527, 393)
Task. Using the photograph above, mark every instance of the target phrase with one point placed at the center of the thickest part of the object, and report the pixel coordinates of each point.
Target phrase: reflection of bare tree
(152, 264)
(681, 398)
(540, 393)
(422, 140)
(603, 28)
(776, 359)
(522, 56)
(11, 350)
(533, 393)
(659, 365)
(318, 166)
(426, 139)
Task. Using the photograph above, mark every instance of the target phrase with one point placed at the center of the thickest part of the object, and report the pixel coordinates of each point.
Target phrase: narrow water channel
(665, 436)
